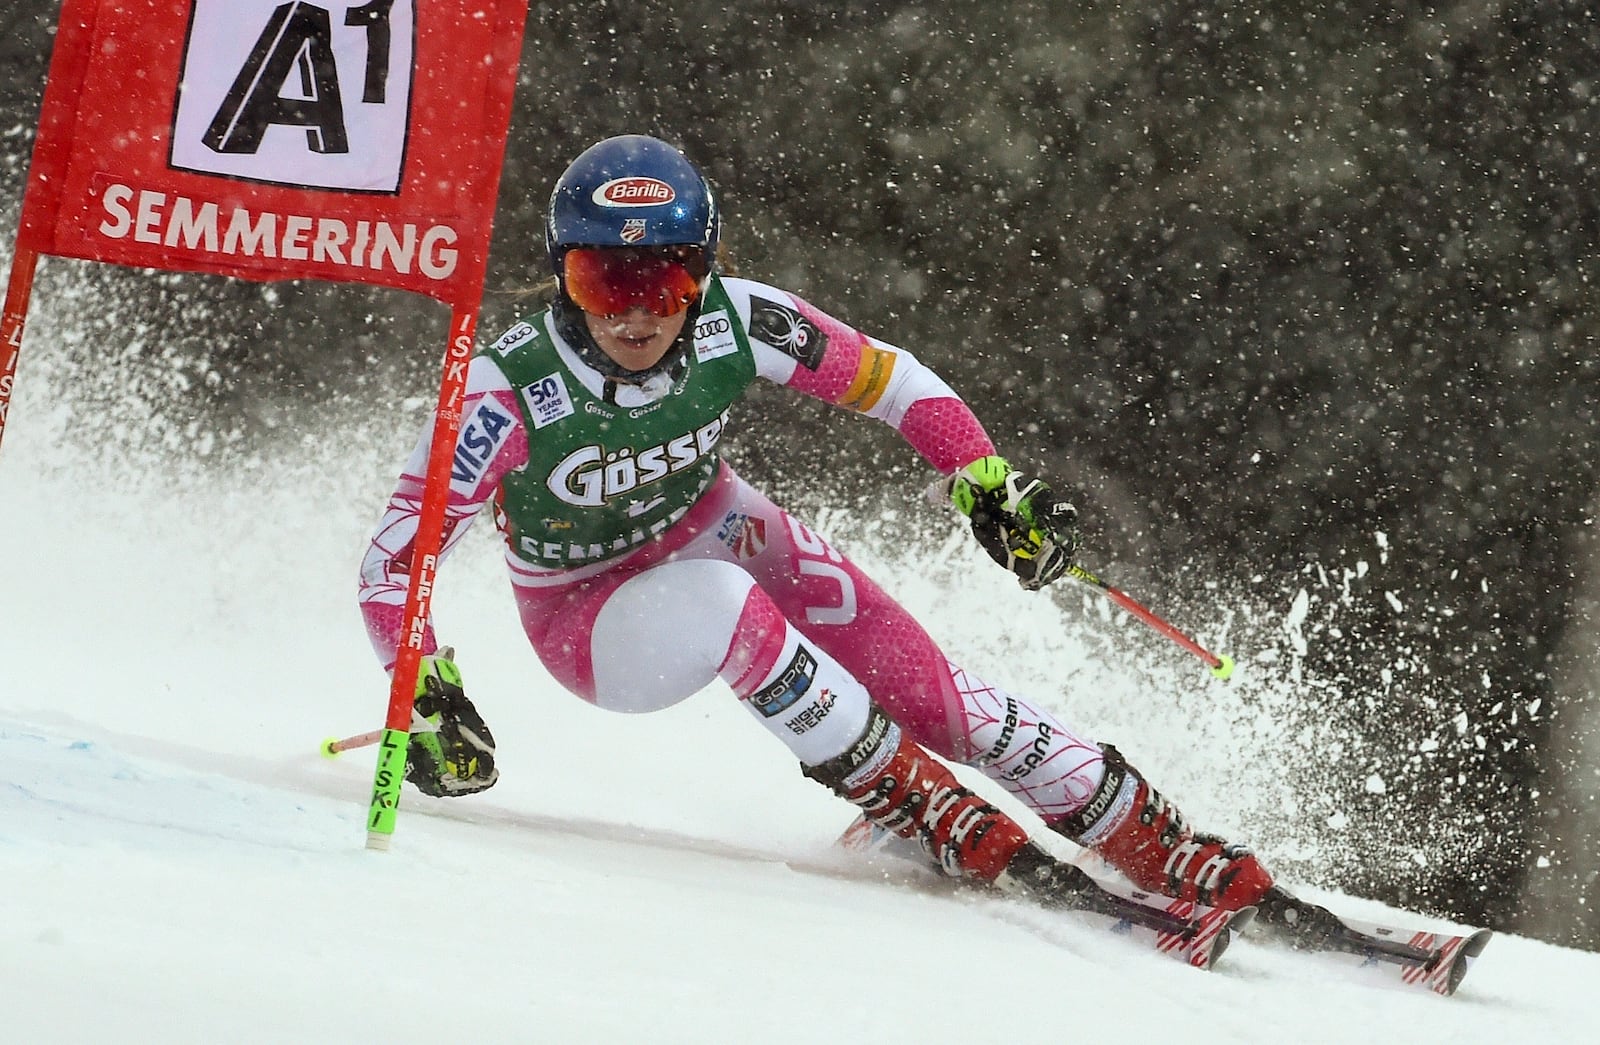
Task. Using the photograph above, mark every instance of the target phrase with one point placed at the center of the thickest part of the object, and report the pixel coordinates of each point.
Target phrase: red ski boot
(1144, 836)
(902, 788)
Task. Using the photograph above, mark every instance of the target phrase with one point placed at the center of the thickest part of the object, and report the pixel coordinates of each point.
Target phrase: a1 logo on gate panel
(291, 92)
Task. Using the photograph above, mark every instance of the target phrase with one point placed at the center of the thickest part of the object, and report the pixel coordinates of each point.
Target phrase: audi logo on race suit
(713, 336)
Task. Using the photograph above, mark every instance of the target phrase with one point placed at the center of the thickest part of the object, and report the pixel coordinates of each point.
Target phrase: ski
(1193, 933)
(1423, 959)
(1415, 958)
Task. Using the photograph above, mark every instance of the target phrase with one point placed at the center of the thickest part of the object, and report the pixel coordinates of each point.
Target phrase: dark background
(1290, 294)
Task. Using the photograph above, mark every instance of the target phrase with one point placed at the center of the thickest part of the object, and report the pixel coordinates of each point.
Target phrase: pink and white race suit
(644, 568)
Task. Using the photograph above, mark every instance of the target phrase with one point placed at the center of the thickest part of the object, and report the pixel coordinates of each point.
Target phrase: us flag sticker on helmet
(634, 192)
(633, 230)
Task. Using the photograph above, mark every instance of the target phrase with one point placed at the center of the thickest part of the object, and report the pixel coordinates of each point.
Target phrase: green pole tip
(328, 750)
(1224, 666)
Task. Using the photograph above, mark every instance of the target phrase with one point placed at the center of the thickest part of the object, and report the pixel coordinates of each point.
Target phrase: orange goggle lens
(607, 281)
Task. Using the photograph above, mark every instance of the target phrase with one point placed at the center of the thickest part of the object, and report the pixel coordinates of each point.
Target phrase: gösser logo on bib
(634, 192)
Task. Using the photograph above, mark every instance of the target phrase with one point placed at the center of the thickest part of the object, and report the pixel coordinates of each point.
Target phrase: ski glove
(1018, 520)
(452, 751)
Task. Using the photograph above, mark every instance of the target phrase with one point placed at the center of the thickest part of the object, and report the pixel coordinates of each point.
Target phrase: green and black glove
(452, 751)
(1021, 524)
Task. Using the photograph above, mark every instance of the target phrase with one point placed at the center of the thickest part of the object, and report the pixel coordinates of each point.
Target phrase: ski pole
(332, 746)
(1221, 664)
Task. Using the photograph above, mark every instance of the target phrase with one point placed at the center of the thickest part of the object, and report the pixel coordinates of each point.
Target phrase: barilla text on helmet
(634, 191)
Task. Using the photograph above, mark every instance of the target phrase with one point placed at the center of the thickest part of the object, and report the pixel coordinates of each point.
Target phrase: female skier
(644, 568)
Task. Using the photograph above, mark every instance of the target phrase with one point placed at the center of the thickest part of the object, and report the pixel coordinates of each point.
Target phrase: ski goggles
(608, 281)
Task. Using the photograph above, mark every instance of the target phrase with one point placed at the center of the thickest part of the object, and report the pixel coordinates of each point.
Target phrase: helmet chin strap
(654, 381)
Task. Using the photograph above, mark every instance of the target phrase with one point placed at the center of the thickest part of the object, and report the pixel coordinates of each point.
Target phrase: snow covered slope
(179, 865)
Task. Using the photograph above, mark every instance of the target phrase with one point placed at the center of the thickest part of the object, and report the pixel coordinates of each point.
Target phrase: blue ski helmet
(632, 191)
